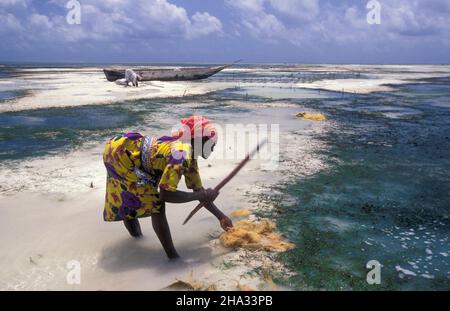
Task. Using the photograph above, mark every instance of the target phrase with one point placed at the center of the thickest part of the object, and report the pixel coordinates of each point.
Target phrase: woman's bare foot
(173, 256)
(133, 227)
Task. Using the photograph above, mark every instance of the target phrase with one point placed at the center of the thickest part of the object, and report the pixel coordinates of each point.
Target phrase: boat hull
(182, 74)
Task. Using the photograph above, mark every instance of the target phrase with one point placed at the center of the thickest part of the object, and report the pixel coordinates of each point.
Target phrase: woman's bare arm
(178, 196)
(183, 196)
(225, 222)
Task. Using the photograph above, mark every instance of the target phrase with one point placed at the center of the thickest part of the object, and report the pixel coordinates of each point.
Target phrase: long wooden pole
(228, 178)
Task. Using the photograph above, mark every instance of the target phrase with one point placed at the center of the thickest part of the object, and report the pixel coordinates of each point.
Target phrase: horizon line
(213, 63)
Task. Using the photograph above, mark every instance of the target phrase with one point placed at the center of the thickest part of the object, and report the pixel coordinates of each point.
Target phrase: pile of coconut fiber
(255, 234)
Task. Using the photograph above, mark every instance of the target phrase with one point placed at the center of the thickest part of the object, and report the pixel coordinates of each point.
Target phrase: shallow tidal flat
(368, 182)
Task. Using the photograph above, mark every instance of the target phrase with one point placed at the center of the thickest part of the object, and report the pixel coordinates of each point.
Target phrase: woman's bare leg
(162, 230)
(133, 227)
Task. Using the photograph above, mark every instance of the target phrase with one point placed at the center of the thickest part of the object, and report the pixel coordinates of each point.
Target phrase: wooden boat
(167, 74)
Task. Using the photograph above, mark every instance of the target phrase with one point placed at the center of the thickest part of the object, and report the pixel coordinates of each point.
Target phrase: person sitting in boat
(137, 165)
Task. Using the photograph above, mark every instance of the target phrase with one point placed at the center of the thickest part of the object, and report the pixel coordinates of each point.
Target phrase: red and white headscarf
(196, 127)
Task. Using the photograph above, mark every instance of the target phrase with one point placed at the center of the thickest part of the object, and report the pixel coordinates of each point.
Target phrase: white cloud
(314, 25)
(10, 23)
(274, 20)
(413, 18)
(114, 20)
(40, 21)
(5, 3)
(250, 6)
(204, 24)
(303, 22)
(298, 10)
(256, 21)
(264, 25)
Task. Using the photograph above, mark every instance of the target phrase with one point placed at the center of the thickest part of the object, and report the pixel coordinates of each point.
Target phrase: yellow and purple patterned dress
(136, 165)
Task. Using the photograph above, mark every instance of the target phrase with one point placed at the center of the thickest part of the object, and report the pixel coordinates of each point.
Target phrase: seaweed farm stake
(228, 178)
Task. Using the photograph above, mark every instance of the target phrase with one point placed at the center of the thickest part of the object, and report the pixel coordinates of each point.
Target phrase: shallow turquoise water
(6, 95)
(31, 133)
(385, 196)
(46, 131)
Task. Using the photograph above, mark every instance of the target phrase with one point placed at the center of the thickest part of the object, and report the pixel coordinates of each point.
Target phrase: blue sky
(300, 31)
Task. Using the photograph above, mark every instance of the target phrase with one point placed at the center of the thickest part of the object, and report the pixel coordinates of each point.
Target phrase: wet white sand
(50, 216)
(50, 87)
(377, 78)
(360, 86)
(78, 87)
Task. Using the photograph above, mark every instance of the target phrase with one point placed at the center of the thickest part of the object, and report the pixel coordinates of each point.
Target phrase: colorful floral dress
(136, 165)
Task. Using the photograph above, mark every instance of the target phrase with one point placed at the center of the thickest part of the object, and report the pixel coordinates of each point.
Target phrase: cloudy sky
(301, 31)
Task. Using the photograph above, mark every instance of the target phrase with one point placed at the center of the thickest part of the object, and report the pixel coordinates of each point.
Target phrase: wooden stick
(228, 178)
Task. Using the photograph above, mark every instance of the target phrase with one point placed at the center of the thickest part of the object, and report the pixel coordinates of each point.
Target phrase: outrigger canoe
(167, 74)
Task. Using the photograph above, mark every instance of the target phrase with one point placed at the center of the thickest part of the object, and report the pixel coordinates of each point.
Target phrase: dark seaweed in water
(385, 196)
(40, 132)
(31, 133)
(6, 95)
